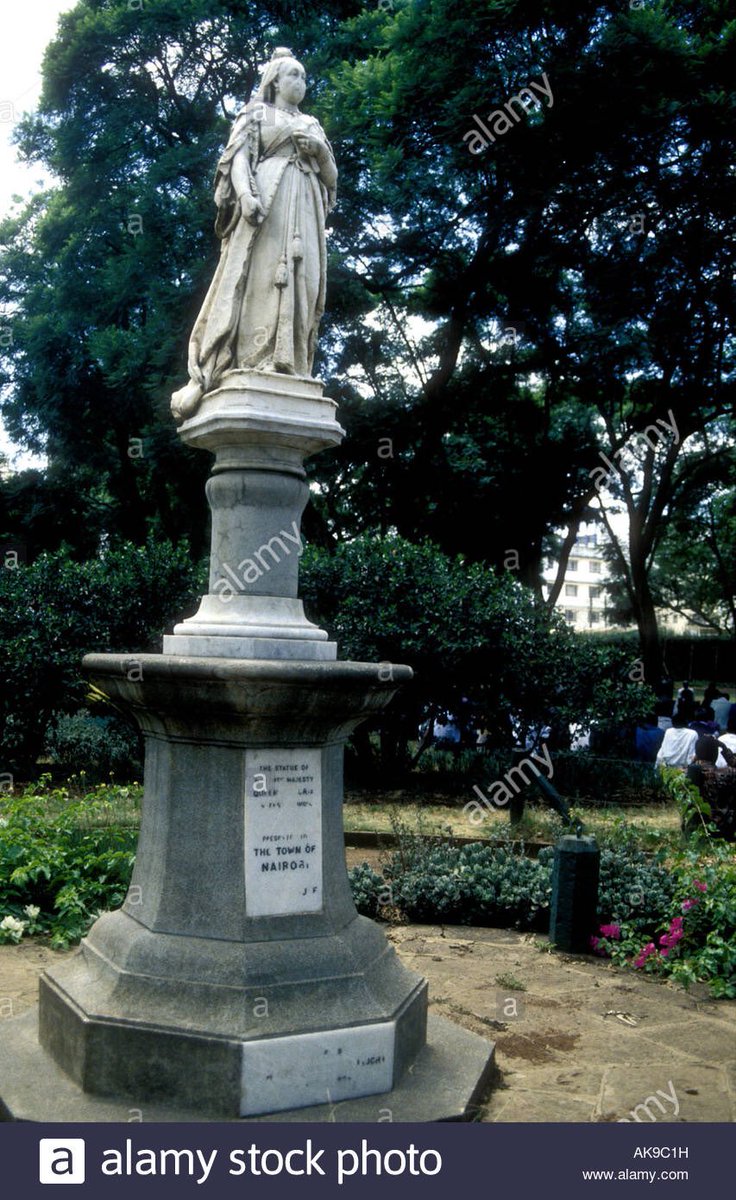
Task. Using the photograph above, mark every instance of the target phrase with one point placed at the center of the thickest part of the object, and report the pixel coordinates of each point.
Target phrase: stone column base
(447, 1081)
(238, 978)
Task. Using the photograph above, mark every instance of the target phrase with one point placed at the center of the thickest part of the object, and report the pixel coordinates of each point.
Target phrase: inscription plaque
(283, 832)
(317, 1068)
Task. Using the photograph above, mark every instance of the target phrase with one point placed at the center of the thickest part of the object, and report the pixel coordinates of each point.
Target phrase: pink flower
(664, 953)
(594, 942)
(688, 904)
(644, 954)
(702, 887)
(675, 923)
(672, 938)
(611, 931)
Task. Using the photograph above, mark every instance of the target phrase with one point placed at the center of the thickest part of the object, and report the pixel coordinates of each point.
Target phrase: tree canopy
(522, 279)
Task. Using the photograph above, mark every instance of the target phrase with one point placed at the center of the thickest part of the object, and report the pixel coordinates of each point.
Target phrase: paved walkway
(582, 1041)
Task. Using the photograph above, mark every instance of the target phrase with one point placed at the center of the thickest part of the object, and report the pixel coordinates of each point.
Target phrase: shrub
(696, 817)
(607, 780)
(366, 886)
(476, 640)
(429, 880)
(65, 860)
(634, 889)
(683, 922)
(475, 884)
(55, 610)
(97, 746)
(705, 895)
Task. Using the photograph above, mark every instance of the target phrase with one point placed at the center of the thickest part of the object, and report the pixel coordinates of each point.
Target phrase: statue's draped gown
(267, 297)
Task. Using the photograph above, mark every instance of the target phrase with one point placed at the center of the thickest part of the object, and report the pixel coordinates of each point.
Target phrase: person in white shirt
(729, 737)
(720, 707)
(678, 744)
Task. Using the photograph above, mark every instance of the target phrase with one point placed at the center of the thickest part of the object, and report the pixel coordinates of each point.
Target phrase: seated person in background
(717, 787)
(686, 701)
(648, 738)
(728, 738)
(721, 706)
(678, 744)
(447, 734)
(703, 723)
(663, 708)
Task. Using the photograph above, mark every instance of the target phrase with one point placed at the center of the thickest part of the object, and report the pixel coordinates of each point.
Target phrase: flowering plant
(11, 929)
(690, 940)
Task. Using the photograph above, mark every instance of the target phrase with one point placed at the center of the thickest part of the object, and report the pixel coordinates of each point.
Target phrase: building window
(569, 616)
(571, 589)
(595, 567)
(595, 593)
(572, 565)
(595, 618)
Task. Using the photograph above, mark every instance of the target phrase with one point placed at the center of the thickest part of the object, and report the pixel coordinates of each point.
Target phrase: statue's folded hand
(310, 146)
(251, 208)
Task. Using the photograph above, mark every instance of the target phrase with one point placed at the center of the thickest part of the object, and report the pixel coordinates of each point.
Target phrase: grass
(654, 825)
(111, 804)
(509, 981)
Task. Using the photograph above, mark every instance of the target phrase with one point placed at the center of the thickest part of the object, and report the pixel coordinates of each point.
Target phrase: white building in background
(584, 598)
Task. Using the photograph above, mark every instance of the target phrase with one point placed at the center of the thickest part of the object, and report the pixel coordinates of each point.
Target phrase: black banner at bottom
(223, 1160)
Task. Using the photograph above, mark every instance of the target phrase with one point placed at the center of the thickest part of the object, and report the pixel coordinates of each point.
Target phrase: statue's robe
(267, 297)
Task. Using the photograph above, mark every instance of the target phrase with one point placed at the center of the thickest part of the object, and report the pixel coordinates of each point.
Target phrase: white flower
(13, 925)
(32, 911)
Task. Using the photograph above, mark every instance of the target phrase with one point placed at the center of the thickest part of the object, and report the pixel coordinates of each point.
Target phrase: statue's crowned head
(279, 59)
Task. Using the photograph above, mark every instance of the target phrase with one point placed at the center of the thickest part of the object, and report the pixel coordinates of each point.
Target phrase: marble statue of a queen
(274, 186)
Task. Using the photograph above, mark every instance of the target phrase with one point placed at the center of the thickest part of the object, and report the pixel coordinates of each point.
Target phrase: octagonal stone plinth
(237, 978)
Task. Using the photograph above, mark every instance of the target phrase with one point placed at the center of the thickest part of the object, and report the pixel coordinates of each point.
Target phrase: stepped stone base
(447, 1082)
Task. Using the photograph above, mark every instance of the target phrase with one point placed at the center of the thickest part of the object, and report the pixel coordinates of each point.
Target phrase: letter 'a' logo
(61, 1160)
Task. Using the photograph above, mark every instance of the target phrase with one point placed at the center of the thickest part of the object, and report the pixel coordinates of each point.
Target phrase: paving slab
(692, 1092)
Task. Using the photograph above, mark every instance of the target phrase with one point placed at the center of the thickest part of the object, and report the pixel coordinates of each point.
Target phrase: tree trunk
(645, 613)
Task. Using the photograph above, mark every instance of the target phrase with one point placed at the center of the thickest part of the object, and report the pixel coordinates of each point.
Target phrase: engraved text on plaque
(283, 832)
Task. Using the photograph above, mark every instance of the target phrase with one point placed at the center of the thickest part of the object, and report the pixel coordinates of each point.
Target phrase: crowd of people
(700, 739)
(669, 734)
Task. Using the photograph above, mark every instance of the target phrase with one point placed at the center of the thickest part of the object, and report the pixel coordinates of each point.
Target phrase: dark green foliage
(598, 228)
(466, 885)
(98, 747)
(68, 858)
(633, 887)
(607, 781)
(697, 576)
(474, 885)
(473, 638)
(429, 880)
(685, 927)
(55, 610)
(366, 887)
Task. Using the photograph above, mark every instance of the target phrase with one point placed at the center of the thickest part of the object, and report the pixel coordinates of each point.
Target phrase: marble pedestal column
(260, 427)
